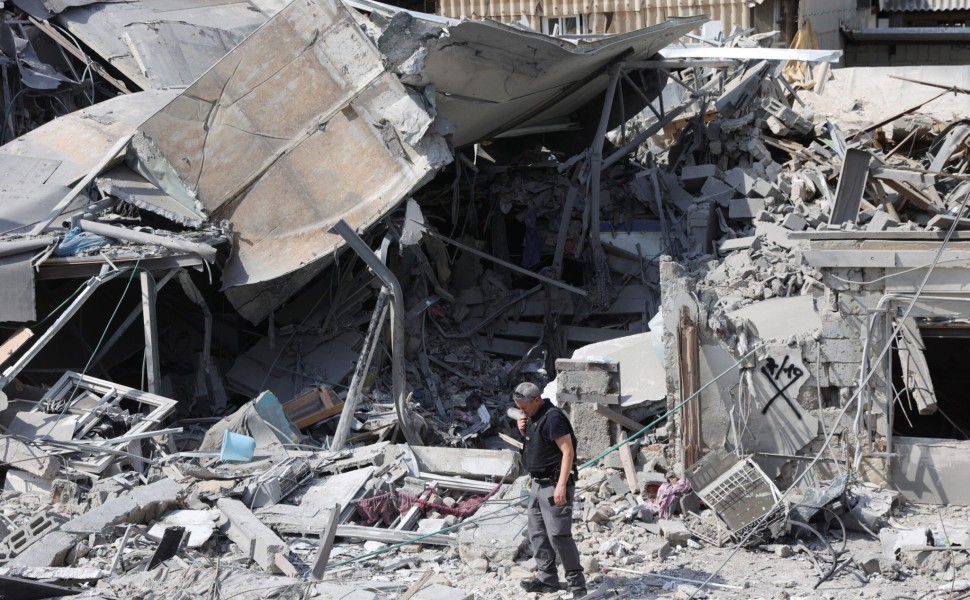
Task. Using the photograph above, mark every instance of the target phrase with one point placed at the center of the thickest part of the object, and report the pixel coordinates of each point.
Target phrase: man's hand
(522, 419)
(559, 496)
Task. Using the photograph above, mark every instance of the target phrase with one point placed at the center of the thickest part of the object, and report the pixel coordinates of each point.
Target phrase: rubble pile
(664, 240)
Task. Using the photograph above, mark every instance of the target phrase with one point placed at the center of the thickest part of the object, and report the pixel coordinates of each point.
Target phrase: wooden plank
(326, 543)
(913, 195)
(510, 440)
(689, 387)
(946, 221)
(416, 586)
(618, 418)
(880, 193)
(312, 407)
(18, 339)
(629, 469)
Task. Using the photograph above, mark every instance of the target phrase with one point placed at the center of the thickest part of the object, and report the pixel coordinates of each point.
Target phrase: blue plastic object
(237, 447)
(77, 241)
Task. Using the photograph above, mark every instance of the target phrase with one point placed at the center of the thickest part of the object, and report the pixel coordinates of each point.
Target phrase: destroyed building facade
(736, 267)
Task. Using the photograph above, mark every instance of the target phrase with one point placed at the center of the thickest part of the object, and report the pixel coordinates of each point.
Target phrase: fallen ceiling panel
(296, 128)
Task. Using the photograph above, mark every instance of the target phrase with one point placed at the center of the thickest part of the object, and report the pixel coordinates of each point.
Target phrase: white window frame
(555, 25)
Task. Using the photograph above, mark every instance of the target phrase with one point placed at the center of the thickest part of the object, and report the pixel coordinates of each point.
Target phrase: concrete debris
(739, 269)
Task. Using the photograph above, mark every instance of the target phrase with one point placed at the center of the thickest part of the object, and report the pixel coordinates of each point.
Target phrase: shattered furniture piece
(102, 411)
(309, 408)
(746, 502)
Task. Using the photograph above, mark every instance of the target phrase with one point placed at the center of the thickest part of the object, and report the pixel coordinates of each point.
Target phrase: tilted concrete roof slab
(62, 151)
(296, 128)
(161, 43)
(491, 77)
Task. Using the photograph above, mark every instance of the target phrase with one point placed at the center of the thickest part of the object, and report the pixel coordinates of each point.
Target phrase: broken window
(930, 382)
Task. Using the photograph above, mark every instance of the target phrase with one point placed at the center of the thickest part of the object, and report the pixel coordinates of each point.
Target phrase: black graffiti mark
(773, 372)
(792, 371)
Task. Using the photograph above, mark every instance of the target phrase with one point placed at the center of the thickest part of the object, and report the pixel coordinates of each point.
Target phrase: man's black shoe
(575, 594)
(534, 585)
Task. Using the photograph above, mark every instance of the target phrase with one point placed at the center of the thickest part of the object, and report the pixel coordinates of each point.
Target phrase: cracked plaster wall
(831, 354)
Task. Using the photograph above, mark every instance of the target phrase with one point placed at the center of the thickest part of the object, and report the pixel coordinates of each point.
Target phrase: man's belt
(552, 480)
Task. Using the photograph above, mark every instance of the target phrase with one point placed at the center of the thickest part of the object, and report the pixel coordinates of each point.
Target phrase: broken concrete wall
(751, 406)
(922, 469)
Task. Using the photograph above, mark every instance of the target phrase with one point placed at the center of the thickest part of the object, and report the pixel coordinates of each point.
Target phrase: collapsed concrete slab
(497, 534)
(141, 505)
(349, 127)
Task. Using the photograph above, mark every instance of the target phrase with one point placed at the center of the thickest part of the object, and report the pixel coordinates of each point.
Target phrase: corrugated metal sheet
(922, 5)
(627, 15)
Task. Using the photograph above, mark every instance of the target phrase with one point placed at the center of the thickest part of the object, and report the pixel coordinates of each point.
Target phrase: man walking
(549, 456)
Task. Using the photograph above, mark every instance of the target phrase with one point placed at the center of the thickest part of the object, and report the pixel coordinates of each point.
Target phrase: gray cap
(526, 390)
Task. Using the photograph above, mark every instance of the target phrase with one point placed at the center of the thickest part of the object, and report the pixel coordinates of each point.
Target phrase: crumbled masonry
(270, 271)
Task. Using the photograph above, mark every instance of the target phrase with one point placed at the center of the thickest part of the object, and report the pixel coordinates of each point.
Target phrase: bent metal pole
(397, 324)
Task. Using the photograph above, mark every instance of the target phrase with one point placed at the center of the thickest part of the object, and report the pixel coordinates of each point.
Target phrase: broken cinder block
(588, 380)
(718, 191)
(795, 222)
(745, 208)
(693, 177)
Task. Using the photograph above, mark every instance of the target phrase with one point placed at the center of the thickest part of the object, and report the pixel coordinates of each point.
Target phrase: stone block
(675, 532)
(718, 191)
(765, 189)
(24, 482)
(837, 327)
(740, 180)
(28, 458)
(692, 178)
(655, 550)
(591, 428)
(841, 350)
(774, 234)
(795, 222)
(586, 380)
(843, 374)
(881, 221)
(140, 505)
(497, 537)
(744, 243)
(17, 541)
(745, 208)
